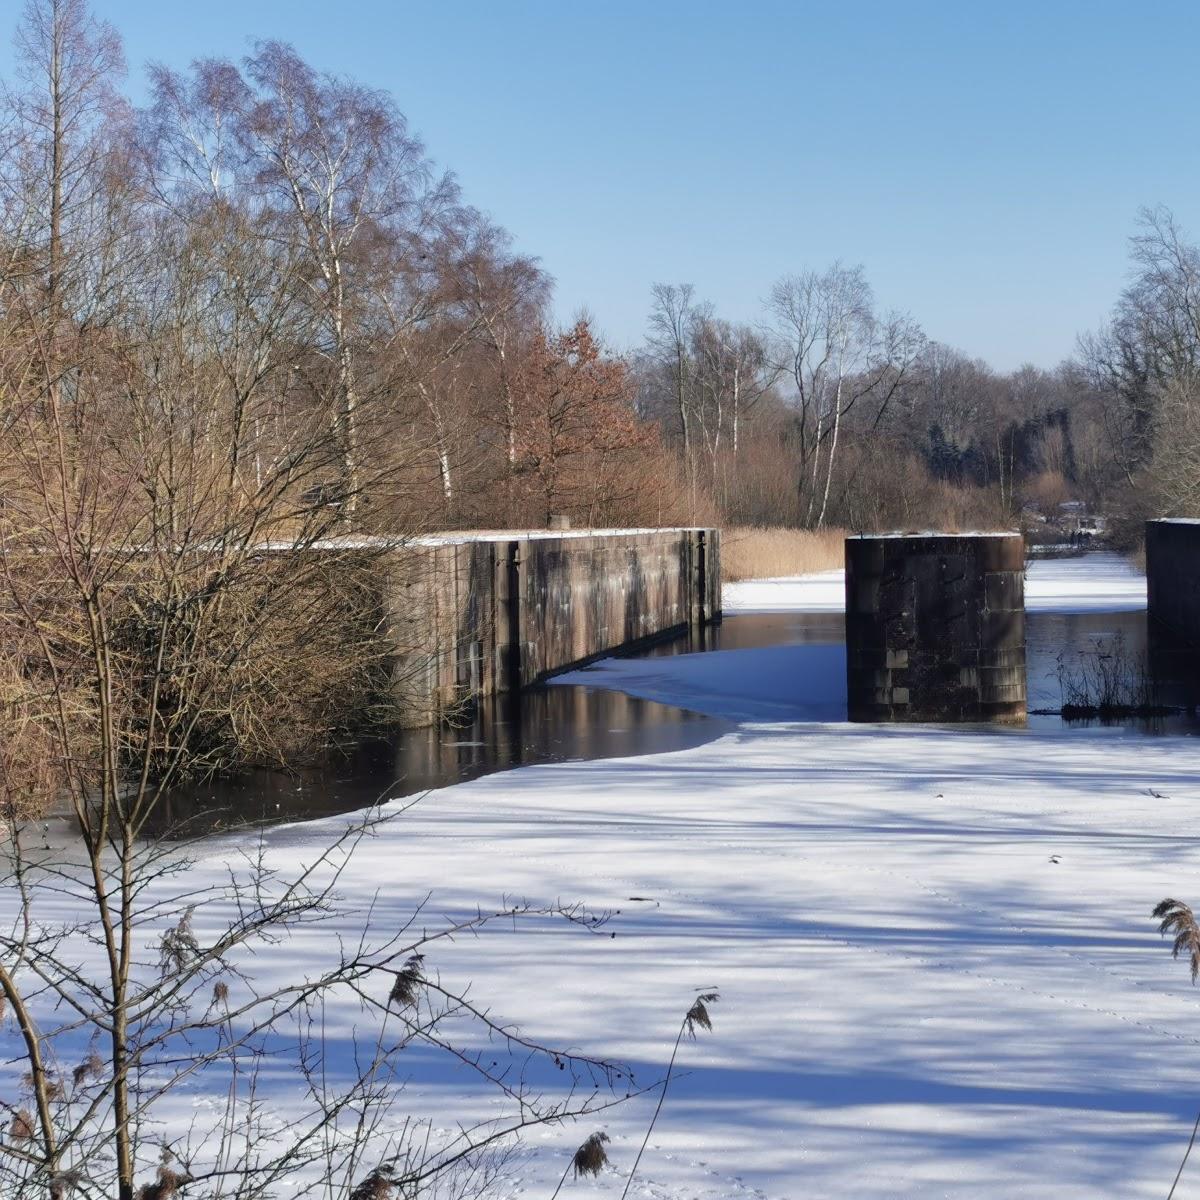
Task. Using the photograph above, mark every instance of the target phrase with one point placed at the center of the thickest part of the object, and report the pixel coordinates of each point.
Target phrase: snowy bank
(937, 972)
(1100, 582)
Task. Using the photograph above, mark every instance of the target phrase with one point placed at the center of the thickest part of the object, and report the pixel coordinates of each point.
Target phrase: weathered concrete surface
(497, 612)
(1173, 579)
(935, 627)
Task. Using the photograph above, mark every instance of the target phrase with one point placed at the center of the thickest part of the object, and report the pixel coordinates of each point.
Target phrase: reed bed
(748, 553)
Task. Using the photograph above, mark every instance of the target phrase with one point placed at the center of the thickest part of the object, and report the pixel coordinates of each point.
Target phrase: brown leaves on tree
(575, 419)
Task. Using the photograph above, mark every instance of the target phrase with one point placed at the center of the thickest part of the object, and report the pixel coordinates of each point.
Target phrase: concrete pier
(1173, 579)
(935, 627)
(483, 614)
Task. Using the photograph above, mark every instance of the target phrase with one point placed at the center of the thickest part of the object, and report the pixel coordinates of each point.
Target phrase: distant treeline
(830, 413)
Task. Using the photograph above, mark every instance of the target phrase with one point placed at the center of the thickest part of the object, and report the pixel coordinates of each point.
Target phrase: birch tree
(65, 144)
(673, 318)
(837, 354)
(732, 375)
(353, 192)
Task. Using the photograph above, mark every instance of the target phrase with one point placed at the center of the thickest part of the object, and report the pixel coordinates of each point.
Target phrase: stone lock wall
(1173, 579)
(497, 612)
(935, 627)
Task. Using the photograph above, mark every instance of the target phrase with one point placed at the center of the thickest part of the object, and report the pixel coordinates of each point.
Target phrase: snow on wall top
(381, 542)
(523, 535)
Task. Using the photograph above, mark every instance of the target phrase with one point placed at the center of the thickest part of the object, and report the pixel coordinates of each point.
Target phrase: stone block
(944, 613)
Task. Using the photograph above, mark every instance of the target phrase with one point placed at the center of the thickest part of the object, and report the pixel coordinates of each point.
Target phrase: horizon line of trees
(829, 412)
(276, 240)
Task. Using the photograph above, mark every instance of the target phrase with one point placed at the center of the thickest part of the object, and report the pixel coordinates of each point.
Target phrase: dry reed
(408, 980)
(591, 1157)
(91, 1069)
(1177, 919)
(773, 553)
(64, 1184)
(380, 1184)
(166, 1186)
(695, 1016)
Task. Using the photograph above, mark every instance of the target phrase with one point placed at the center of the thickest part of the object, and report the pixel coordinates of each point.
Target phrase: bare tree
(837, 353)
(673, 318)
(502, 298)
(67, 137)
(732, 375)
(355, 195)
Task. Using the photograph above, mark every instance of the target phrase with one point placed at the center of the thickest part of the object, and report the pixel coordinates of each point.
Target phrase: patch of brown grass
(1178, 920)
(771, 553)
(591, 1157)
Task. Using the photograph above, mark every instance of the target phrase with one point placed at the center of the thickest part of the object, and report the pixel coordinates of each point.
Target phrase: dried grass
(773, 553)
(1177, 919)
(178, 946)
(92, 1068)
(591, 1158)
(168, 1182)
(697, 1015)
(64, 1184)
(408, 980)
(380, 1184)
(165, 1187)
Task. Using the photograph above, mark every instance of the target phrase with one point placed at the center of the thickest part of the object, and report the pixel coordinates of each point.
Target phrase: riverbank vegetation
(240, 329)
(749, 553)
(255, 312)
(827, 411)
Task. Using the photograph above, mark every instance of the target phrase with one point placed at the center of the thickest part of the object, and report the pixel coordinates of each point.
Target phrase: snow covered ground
(937, 972)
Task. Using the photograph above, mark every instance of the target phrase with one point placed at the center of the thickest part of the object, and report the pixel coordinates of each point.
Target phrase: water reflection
(561, 723)
(554, 724)
(756, 631)
(1070, 642)
(1053, 640)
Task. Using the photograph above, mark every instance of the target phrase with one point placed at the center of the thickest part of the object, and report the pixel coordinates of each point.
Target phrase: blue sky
(983, 161)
